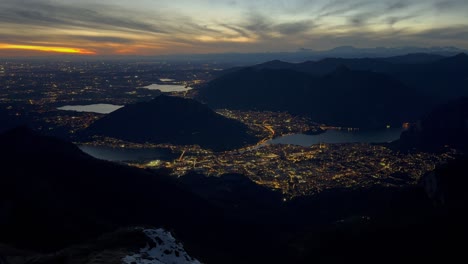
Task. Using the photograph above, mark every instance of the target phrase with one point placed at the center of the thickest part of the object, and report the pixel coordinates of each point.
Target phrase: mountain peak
(461, 55)
(455, 62)
(344, 48)
(341, 69)
(176, 120)
(24, 140)
(274, 61)
(274, 64)
(20, 132)
(167, 98)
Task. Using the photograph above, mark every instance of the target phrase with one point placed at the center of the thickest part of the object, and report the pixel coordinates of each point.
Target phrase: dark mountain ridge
(372, 93)
(52, 190)
(303, 54)
(446, 126)
(170, 119)
(414, 58)
(430, 75)
(64, 196)
(9, 121)
(343, 97)
(327, 65)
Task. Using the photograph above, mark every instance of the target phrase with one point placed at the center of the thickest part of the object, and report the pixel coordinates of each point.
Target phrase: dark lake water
(340, 136)
(127, 154)
(168, 88)
(330, 136)
(94, 108)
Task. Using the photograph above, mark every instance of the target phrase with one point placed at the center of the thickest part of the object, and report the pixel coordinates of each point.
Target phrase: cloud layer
(160, 27)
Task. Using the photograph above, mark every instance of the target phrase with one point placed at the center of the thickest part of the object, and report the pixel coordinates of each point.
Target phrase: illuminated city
(233, 131)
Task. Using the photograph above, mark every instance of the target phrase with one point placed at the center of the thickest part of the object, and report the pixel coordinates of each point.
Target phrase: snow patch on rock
(162, 248)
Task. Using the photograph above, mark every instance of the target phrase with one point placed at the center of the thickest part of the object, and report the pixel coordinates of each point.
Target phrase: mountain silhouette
(444, 126)
(328, 65)
(443, 80)
(435, 77)
(237, 194)
(8, 121)
(414, 58)
(344, 97)
(54, 195)
(168, 119)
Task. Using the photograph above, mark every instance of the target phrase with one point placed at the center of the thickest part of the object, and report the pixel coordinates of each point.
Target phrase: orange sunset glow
(161, 27)
(47, 49)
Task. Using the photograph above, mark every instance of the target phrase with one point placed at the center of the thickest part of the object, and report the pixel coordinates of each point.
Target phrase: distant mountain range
(429, 74)
(170, 119)
(366, 93)
(310, 54)
(353, 52)
(302, 54)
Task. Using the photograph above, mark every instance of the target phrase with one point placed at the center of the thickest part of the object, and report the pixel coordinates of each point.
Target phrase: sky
(155, 27)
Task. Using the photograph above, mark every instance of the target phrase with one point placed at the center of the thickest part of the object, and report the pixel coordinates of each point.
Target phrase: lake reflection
(127, 154)
(93, 108)
(168, 88)
(340, 136)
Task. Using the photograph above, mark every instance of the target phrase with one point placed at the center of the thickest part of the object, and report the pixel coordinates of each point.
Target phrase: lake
(94, 108)
(127, 154)
(168, 88)
(330, 136)
(340, 136)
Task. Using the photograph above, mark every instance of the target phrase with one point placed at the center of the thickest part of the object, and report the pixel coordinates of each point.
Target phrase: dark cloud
(44, 13)
(368, 13)
(445, 5)
(265, 25)
(107, 39)
(392, 20)
(294, 28)
(444, 36)
(187, 26)
(95, 17)
(360, 19)
(366, 18)
(21, 39)
(236, 29)
(55, 40)
(454, 33)
(398, 5)
(258, 24)
(339, 7)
